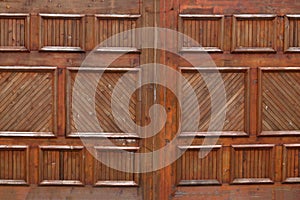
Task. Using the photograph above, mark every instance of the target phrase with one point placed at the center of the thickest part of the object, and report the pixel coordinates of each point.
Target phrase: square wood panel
(97, 118)
(254, 33)
(61, 165)
(14, 165)
(291, 163)
(123, 159)
(279, 100)
(292, 33)
(201, 32)
(62, 32)
(14, 32)
(28, 98)
(194, 170)
(253, 163)
(235, 81)
(115, 33)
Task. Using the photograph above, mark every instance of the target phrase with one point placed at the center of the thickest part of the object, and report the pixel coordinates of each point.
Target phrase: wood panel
(202, 32)
(292, 33)
(290, 165)
(62, 32)
(113, 32)
(254, 33)
(103, 101)
(61, 165)
(14, 31)
(14, 165)
(253, 163)
(194, 170)
(117, 156)
(236, 81)
(28, 101)
(278, 101)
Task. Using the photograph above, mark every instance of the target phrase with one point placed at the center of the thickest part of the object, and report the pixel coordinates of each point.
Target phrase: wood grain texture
(14, 32)
(14, 165)
(61, 165)
(195, 170)
(28, 101)
(107, 176)
(292, 33)
(254, 33)
(114, 32)
(279, 99)
(103, 101)
(62, 32)
(253, 163)
(236, 86)
(291, 160)
(201, 32)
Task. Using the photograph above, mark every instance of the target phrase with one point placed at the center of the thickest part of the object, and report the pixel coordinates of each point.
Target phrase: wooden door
(254, 45)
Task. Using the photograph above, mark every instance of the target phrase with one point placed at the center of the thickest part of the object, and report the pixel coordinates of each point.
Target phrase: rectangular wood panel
(196, 170)
(114, 32)
(101, 121)
(254, 33)
(202, 32)
(292, 33)
(235, 82)
(123, 159)
(253, 163)
(61, 165)
(28, 101)
(279, 100)
(14, 32)
(62, 32)
(291, 163)
(14, 165)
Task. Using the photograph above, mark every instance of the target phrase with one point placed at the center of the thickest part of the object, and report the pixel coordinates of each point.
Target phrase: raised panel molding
(193, 170)
(279, 97)
(28, 101)
(292, 33)
(14, 32)
(106, 176)
(254, 33)
(106, 125)
(201, 33)
(253, 163)
(61, 165)
(62, 32)
(236, 83)
(291, 163)
(112, 33)
(14, 165)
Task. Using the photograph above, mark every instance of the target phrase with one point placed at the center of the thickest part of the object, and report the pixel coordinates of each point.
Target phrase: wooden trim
(200, 16)
(117, 148)
(286, 179)
(50, 15)
(213, 134)
(260, 16)
(247, 146)
(61, 182)
(118, 50)
(116, 183)
(61, 147)
(287, 48)
(199, 182)
(59, 48)
(117, 16)
(200, 147)
(200, 49)
(252, 181)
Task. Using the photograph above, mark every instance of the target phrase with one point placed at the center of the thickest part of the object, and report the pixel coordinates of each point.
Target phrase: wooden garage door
(255, 46)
